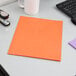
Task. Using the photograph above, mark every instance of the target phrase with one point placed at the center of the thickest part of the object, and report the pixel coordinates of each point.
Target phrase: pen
(4, 15)
(4, 22)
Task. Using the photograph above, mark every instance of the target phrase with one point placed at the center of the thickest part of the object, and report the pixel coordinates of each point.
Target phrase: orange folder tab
(38, 38)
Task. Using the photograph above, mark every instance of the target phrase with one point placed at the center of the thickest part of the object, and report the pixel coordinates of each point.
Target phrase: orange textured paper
(39, 38)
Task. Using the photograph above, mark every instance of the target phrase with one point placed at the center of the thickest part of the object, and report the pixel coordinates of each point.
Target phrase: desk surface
(24, 66)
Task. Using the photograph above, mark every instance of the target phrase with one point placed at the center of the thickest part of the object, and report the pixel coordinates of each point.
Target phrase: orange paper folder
(38, 38)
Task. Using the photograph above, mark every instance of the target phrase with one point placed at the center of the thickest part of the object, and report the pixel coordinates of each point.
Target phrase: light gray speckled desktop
(24, 66)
